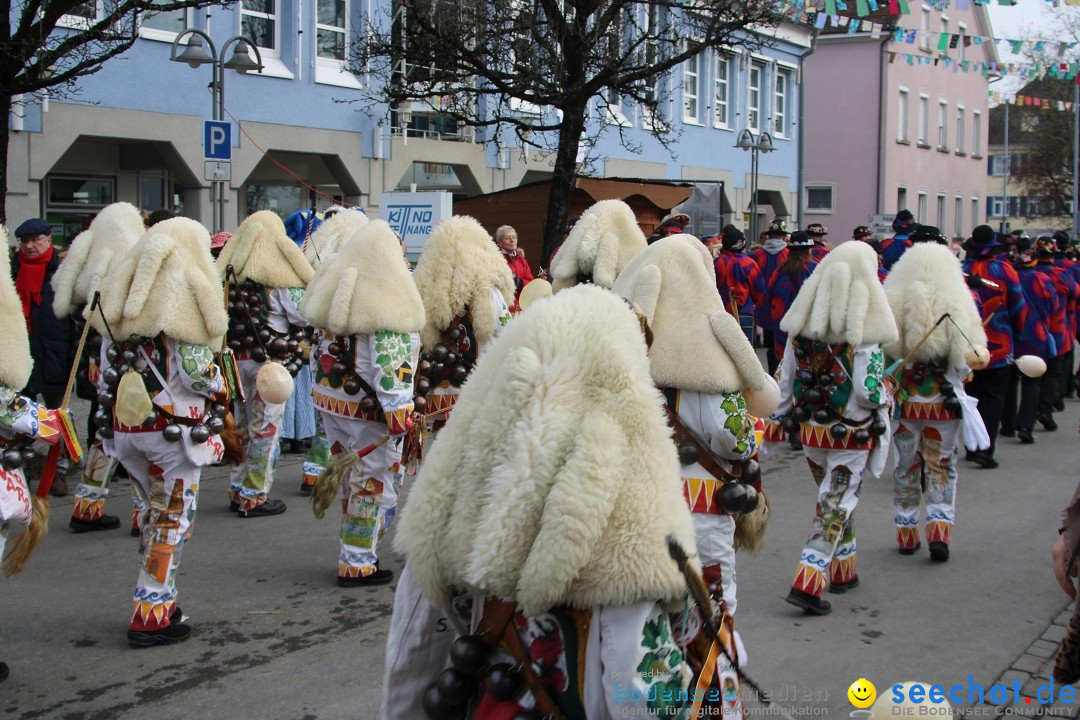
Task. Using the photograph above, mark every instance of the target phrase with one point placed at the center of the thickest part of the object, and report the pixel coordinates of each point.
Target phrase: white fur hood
(697, 344)
(555, 479)
(924, 284)
(366, 288)
(260, 250)
(15, 360)
(604, 239)
(332, 234)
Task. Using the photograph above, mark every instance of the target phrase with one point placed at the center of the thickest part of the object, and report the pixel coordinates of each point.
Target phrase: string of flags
(903, 7)
(1027, 100)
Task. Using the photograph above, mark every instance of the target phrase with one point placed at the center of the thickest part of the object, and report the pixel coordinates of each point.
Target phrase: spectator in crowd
(507, 239)
(159, 215)
(672, 224)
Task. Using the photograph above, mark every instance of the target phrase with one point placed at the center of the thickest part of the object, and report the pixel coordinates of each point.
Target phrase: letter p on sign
(217, 140)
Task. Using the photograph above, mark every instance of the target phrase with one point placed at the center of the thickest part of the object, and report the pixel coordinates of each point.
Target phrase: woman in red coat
(507, 240)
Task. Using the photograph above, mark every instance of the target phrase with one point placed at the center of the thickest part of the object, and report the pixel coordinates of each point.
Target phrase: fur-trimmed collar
(604, 239)
(15, 360)
(457, 269)
(842, 300)
(260, 250)
(924, 284)
(697, 344)
(93, 253)
(525, 495)
(167, 283)
(330, 236)
(366, 288)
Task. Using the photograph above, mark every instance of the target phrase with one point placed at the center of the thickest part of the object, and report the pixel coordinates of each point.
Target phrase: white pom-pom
(977, 357)
(274, 383)
(762, 403)
(1031, 365)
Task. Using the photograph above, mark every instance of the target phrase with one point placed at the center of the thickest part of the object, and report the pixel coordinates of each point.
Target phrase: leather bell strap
(706, 458)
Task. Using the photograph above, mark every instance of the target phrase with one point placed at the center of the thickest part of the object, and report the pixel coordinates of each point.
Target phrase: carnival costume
(833, 393)
(784, 284)
(1062, 326)
(92, 255)
(164, 318)
(769, 257)
(602, 241)
(738, 278)
(464, 282)
(267, 281)
(894, 248)
(523, 524)
(369, 314)
(925, 285)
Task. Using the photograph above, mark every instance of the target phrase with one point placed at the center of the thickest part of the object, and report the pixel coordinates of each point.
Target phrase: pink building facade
(883, 134)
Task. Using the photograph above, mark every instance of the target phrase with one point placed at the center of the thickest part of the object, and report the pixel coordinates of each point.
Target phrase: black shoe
(234, 506)
(939, 552)
(793, 441)
(985, 459)
(379, 577)
(105, 522)
(135, 532)
(268, 508)
(1059, 404)
(1005, 433)
(174, 633)
(911, 551)
(839, 588)
(1047, 421)
(4, 672)
(1025, 436)
(306, 489)
(969, 456)
(809, 603)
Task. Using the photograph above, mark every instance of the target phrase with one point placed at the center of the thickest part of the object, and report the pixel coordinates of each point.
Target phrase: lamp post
(194, 54)
(760, 144)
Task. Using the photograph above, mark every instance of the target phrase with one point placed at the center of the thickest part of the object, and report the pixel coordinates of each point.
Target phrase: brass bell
(838, 431)
(437, 707)
(112, 354)
(278, 347)
(422, 386)
(439, 353)
(800, 350)
(351, 386)
(264, 334)
(826, 378)
(822, 415)
(947, 389)
(862, 436)
(216, 425)
(877, 427)
(469, 654)
(753, 497)
(258, 354)
(200, 434)
(233, 294)
(732, 497)
(122, 368)
(339, 368)
(423, 367)
(528, 715)
(367, 404)
(455, 686)
(334, 349)
(172, 432)
(106, 398)
(454, 333)
(451, 358)
(129, 356)
(688, 453)
(952, 404)
(751, 472)
(105, 433)
(293, 346)
(248, 340)
(419, 403)
(103, 418)
(235, 345)
(151, 419)
(502, 682)
(111, 376)
(460, 373)
(814, 396)
(800, 414)
(806, 378)
(13, 459)
(437, 369)
(219, 410)
(789, 424)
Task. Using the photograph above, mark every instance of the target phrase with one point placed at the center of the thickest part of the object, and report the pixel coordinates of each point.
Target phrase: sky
(1027, 20)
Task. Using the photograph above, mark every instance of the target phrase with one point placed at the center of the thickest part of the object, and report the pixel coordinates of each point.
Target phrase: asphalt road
(275, 637)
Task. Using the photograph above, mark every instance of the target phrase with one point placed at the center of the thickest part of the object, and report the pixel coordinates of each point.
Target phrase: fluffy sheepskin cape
(167, 283)
(366, 288)
(332, 234)
(15, 360)
(261, 251)
(93, 253)
(697, 344)
(604, 239)
(457, 269)
(555, 480)
(842, 300)
(924, 284)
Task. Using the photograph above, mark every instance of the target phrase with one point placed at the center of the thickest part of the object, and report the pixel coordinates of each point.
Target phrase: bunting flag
(1028, 101)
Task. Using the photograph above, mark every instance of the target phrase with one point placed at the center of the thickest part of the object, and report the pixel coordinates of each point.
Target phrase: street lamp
(194, 53)
(760, 144)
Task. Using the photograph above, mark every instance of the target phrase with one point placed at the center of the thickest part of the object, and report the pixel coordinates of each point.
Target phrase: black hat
(1061, 237)
(904, 221)
(861, 232)
(801, 238)
(1044, 245)
(33, 227)
(777, 228)
(732, 237)
(983, 235)
(817, 229)
(1024, 243)
(928, 233)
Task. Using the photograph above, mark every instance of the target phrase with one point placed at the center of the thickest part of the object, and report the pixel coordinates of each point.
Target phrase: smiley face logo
(862, 693)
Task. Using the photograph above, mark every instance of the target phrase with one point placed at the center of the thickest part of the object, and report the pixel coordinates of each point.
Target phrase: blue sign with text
(217, 140)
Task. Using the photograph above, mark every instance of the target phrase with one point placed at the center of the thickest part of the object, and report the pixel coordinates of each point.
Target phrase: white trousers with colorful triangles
(926, 456)
(829, 554)
(98, 469)
(259, 423)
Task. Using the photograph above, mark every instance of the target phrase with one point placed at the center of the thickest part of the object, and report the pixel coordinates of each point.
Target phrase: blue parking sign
(217, 140)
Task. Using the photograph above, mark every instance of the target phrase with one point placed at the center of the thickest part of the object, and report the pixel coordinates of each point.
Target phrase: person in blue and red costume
(772, 253)
(785, 285)
(738, 278)
(1004, 313)
(892, 249)
(1060, 325)
(1062, 243)
(818, 232)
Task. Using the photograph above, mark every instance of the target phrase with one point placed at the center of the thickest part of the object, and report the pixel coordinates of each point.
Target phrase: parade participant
(818, 233)
(507, 240)
(463, 282)
(785, 285)
(866, 235)
(298, 422)
(923, 286)
(92, 255)
(738, 278)
(671, 224)
(702, 365)
(832, 385)
(165, 318)
(369, 314)
(769, 257)
(1062, 260)
(1004, 313)
(1059, 324)
(602, 241)
(522, 524)
(903, 225)
(267, 280)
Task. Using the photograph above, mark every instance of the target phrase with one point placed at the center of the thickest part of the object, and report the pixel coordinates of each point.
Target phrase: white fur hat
(697, 344)
(333, 232)
(600, 244)
(166, 283)
(924, 284)
(842, 300)
(457, 269)
(93, 253)
(555, 480)
(15, 360)
(260, 250)
(366, 288)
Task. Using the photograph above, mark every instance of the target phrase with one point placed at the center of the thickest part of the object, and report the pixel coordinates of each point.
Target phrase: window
(976, 134)
(942, 129)
(780, 107)
(924, 120)
(650, 30)
(259, 21)
(960, 122)
(920, 215)
(691, 77)
(962, 45)
(975, 220)
(819, 199)
(331, 29)
(82, 15)
(944, 34)
(941, 212)
(902, 115)
(282, 199)
(753, 102)
(997, 206)
(901, 199)
(164, 26)
(79, 191)
(958, 217)
(924, 29)
(721, 90)
(1000, 163)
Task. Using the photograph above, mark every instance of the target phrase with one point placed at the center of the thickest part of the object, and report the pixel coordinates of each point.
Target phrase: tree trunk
(5, 137)
(562, 180)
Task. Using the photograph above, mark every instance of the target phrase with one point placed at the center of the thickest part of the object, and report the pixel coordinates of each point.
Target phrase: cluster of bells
(448, 697)
(125, 358)
(245, 302)
(918, 373)
(734, 497)
(14, 457)
(818, 387)
(438, 364)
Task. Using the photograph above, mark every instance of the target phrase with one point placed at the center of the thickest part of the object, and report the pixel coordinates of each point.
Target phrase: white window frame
(903, 110)
(831, 187)
(149, 33)
(275, 17)
(754, 112)
(976, 211)
(962, 46)
(942, 208)
(997, 206)
(691, 78)
(78, 22)
(944, 31)
(782, 100)
(976, 134)
(958, 221)
(921, 207)
(924, 120)
(901, 199)
(331, 71)
(961, 119)
(722, 89)
(943, 124)
(924, 28)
